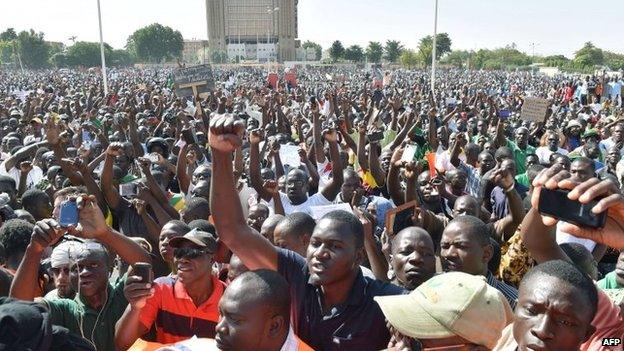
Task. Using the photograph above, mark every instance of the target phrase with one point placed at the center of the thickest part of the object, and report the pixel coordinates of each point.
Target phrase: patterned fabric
(511, 293)
(515, 260)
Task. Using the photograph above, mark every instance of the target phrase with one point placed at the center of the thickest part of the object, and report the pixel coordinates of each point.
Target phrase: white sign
(319, 211)
(534, 109)
(289, 154)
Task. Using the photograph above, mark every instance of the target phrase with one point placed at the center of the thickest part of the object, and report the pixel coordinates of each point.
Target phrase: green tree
(425, 47)
(588, 56)
(33, 50)
(374, 52)
(393, 50)
(457, 58)
(613, 61)
(556, 61)
(336, 51)
(86, 54)
(120, 58)
(7, 51)
(318, 50)
(155, 43)
(409, 59)
(354, 53)
(8, 35)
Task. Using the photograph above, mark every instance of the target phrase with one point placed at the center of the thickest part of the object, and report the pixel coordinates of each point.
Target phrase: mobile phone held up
(143, 270)
(555, 203)
(68, 214)
(504, 114)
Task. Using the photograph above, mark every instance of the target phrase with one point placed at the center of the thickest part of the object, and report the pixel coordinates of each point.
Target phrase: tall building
(253, 29)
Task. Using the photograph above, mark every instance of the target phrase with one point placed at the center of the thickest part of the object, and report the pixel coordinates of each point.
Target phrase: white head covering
(65, 253)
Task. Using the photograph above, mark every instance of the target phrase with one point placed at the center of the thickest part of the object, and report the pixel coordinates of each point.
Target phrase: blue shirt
(357, 324)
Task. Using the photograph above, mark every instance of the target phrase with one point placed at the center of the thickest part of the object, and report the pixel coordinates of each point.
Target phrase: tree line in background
(157, 43)
(154, 43)
(509, 57)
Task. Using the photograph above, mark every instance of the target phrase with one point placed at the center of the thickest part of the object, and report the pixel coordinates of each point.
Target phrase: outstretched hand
(607, 194)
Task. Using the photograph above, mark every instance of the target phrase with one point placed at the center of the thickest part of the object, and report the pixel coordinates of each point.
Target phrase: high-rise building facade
(253, 29)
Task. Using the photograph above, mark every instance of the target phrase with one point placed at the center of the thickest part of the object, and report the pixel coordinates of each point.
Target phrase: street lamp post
(434, 50)
(270, 11)
(102, 50)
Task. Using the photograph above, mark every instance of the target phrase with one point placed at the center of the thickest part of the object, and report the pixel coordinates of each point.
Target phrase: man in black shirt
(332, 302)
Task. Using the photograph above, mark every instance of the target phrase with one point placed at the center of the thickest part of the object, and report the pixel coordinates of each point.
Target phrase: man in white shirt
(552, 146)
(297, 182)
(18, 166)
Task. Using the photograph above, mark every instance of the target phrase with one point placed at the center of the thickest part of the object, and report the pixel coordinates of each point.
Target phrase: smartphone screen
(555, 203)
(128, 190)
(68, 214)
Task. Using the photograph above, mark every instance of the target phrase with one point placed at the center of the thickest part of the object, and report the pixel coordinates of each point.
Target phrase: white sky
(556, 26)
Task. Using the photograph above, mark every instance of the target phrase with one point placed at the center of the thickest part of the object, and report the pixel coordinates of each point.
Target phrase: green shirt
(520, 155)
(72, 313)
(523, 179)
(609, 282)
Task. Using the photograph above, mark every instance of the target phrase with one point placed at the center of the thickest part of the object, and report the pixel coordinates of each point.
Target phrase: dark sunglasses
(190, 253)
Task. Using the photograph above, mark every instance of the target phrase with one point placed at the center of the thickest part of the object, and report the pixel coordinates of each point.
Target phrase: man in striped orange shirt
(181, 306)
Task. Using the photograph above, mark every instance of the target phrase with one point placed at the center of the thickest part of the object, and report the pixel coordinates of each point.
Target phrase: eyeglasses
(190, 253)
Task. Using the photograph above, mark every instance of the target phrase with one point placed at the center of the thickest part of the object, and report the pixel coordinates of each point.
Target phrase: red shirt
(176, 316)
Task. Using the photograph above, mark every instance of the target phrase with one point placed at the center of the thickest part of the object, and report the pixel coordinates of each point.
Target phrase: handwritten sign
(534, 109)
(319, 211)
(193, 80)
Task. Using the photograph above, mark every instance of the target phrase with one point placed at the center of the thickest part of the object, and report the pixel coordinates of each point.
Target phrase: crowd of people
(337, 212)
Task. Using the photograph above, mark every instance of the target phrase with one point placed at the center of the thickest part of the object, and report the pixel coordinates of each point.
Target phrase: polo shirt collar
(179, 291)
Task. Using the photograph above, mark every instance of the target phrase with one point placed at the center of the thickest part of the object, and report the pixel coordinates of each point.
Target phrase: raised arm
(184, 179)
(506, 227)
(110, 192)
(318, 137)
(333, 187)
(432, 136)
(394, 185)
(254, 250)
(254, 165)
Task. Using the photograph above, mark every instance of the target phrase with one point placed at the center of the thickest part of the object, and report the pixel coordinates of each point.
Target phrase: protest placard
(193, 80)
(320, 211)
(534, 109)
(289, 154)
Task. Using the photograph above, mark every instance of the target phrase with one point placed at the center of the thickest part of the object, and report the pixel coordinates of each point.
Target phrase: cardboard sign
(534, 109)
(193, 80)
(319, 211)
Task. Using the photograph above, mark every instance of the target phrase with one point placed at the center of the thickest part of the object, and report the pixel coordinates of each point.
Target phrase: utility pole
(434, 50)
(104, 81)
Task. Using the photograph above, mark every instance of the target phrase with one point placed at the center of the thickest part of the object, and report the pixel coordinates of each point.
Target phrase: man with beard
(98, 303)
(332, 302)
(413, 257)
(465, 247)
(255, 314)
(180, 306)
